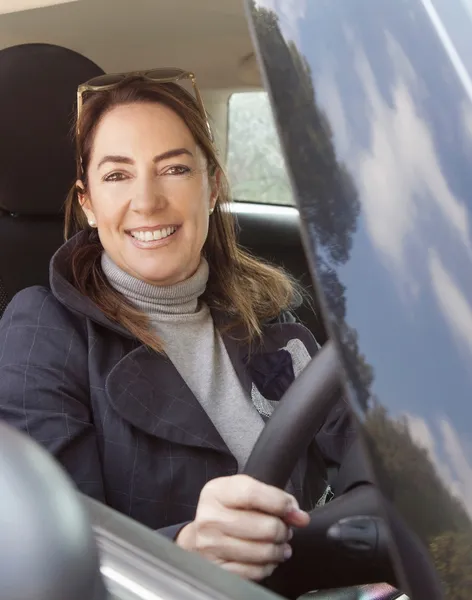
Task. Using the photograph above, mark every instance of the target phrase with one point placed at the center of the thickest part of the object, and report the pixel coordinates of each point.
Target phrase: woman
(150, 366)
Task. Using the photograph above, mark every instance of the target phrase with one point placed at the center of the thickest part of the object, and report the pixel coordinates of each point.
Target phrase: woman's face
(149, 192)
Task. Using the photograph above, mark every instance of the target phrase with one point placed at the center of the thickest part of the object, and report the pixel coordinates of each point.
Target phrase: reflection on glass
(380, 100)
(427, 474)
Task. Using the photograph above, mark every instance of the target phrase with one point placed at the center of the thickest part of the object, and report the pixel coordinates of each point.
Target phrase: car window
(255, 163)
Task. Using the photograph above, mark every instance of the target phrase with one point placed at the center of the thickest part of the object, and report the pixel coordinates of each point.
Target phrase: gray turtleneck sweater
(196, 349)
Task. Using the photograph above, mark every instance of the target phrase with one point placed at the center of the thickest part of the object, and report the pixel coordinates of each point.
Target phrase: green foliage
(416, 488)
(256, 167)
(452, 554)
(426, 503)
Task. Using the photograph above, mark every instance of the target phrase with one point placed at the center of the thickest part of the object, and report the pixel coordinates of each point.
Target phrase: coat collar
(71, 298)
(68, 295)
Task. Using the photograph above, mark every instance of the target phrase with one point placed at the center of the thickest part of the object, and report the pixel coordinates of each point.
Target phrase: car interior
(86, 37)
(47, 48)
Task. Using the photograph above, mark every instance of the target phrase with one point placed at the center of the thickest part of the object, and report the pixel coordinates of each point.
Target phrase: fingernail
(287, 552)
(290, 534)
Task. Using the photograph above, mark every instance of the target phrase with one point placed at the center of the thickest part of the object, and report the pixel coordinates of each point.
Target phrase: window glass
(255, 164)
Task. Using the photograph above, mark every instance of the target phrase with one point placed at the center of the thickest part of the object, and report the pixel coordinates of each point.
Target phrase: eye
(114, 177)
(177, 170)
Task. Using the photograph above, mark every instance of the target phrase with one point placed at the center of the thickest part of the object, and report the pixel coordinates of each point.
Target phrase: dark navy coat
(120, 418)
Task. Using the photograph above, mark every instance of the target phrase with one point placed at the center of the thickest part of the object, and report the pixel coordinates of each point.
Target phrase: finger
(229, 549)
(297, 518)
(252, 572)
(243, 492)
(255, 526)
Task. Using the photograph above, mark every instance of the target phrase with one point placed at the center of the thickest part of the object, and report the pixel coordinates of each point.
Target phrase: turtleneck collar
(178, 299)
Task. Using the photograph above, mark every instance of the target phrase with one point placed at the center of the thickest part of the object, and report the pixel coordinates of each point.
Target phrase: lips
(152, 235)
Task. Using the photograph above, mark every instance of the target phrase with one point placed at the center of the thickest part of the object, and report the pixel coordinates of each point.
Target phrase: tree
(452, 553)
(325, 189)
(255, 162)
(326, 192)
(426, 503)
(415, 486)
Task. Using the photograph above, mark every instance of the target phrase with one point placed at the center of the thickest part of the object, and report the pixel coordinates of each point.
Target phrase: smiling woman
(150, 367)
(146, 163)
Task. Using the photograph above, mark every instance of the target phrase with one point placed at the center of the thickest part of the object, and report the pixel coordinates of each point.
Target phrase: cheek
(194, 205)
(107, 207)
(201, 215)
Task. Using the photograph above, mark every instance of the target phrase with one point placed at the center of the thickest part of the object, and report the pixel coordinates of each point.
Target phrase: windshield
(387, 102)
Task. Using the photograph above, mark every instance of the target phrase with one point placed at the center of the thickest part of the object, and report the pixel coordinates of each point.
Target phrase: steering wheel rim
(285, 437)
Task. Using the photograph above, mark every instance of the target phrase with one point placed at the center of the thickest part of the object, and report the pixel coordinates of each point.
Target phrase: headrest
(38, 90)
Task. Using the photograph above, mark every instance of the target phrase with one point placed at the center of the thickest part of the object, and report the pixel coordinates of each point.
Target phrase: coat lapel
(148, 392)
(275, 336)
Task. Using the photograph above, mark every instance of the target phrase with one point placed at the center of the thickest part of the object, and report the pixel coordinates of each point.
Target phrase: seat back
(38, 86)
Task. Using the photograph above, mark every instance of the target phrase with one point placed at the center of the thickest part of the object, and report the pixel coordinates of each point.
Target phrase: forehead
(141, 127)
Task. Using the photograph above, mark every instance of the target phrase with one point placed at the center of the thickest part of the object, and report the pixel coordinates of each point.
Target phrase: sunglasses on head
(163, 75)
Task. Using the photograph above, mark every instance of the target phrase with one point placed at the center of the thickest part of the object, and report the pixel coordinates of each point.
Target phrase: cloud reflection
(402, 186)
(468, 6)
(455, 306)
(401, 174)
(458, 460)
(448, 453)
(467, 117)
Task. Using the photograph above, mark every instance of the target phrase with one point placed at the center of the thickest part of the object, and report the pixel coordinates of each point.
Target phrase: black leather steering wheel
(347, 542)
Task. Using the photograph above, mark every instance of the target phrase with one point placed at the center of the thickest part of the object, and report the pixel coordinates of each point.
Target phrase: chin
(162, 277)
(151, 271)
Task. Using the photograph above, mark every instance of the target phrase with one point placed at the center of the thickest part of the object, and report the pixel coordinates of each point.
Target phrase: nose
(148, 197)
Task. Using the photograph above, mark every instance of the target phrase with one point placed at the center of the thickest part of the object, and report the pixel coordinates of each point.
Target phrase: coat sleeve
(44, 387)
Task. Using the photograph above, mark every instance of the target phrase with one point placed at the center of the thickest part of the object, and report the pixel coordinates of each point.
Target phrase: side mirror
(47, 546)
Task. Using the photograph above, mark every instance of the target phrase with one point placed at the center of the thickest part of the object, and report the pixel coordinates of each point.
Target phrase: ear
(215, 188)
(84, 201)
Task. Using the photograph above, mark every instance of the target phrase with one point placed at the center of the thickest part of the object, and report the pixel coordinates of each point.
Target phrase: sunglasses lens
(104, 80)
(179, 76)
(158, 74)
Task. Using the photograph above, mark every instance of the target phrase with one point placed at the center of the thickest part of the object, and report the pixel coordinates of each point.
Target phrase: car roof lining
(210, 37)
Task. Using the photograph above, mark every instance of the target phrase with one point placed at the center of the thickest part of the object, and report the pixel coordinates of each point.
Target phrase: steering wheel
(347, 542)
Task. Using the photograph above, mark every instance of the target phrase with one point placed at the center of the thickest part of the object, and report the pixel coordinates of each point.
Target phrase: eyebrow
(129, 161)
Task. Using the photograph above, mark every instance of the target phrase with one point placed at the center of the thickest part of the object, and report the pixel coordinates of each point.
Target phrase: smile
(151, 236)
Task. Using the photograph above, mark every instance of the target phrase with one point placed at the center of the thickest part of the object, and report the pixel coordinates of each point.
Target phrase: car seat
(38, 85)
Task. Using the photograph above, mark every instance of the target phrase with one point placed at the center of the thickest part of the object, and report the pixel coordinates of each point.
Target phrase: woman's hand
(244, 526)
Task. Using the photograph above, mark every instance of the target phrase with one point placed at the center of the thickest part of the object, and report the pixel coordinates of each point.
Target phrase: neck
(180, 298)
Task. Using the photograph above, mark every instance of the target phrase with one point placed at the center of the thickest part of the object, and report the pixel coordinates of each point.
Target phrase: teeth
(150, 236)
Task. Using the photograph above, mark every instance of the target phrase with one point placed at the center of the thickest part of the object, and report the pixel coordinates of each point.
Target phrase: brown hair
(247, 290)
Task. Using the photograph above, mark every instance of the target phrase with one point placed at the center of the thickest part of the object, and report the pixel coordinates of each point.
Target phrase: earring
(211, 211)
(92, 223)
